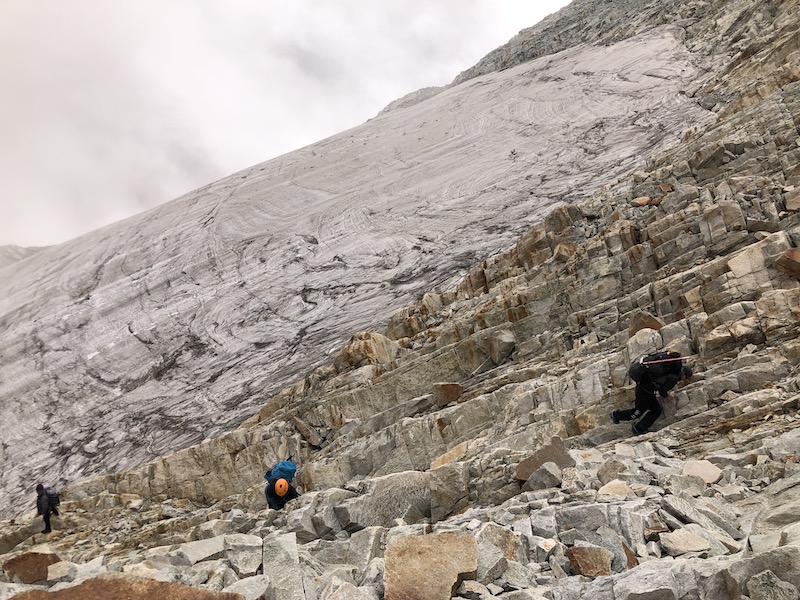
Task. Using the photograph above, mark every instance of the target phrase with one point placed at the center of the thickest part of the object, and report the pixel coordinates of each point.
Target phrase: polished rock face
(154, 333)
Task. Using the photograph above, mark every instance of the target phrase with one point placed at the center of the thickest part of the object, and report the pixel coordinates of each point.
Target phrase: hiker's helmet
(281, 487)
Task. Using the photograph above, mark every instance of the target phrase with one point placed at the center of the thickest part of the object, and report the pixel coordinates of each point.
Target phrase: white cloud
(110, 108)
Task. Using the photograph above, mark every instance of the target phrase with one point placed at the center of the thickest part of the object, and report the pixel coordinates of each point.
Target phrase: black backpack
(655, 365)
(53, 497)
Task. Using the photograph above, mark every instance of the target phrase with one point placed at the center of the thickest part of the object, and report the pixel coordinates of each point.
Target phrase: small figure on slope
(47, 501)
(654, 373)
(279, 489)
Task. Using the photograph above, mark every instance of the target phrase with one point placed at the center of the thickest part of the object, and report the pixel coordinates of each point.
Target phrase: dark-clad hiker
(655, 373)
(47, 500)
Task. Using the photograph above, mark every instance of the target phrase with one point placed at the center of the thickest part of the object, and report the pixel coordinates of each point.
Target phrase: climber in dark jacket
(279, 492)
(44, 507)
(661, 378)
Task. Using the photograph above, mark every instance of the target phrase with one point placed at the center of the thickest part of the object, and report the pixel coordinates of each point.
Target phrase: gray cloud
(110, 108)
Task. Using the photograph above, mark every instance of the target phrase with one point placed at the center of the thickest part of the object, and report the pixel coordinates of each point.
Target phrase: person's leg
(625, 415)
(638, 409)
(651, 409)
(46, 518)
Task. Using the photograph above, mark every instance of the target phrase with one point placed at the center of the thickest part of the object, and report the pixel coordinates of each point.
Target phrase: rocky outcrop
(465, 448)
(658, 525)
(740, 27)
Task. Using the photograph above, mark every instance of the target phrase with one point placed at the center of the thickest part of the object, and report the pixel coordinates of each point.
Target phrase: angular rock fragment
(30, 567)
(767, 586)
(590, 561)
(683, 541)
(554, 452)
(429, 567)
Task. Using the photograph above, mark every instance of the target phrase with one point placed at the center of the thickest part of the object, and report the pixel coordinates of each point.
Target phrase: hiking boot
(636, 430)
(46, 530)
(614, 417)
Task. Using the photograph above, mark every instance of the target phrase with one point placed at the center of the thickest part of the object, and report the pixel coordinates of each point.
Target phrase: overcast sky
(111, 107)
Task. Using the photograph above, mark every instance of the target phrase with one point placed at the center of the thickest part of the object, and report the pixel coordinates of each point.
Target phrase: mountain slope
(159, 331)
(464, 448)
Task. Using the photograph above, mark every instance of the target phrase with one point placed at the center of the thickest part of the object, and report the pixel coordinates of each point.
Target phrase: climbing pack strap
(655, 365)
(660, 360)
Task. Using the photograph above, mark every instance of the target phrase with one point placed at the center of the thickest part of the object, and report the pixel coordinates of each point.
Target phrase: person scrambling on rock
(279, 493)
(279, 489)
(659, 372)
(47, 501)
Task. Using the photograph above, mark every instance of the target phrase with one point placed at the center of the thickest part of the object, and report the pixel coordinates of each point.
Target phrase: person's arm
(292, 493)
(666, 384)
(272, 499)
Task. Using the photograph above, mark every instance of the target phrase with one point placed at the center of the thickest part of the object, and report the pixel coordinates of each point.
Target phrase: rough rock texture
(691, 251)
(129, 589)
(429, 567)
(30, 567)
